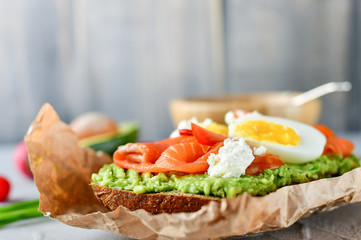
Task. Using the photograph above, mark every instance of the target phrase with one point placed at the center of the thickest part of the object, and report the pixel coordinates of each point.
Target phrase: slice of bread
(154, 203)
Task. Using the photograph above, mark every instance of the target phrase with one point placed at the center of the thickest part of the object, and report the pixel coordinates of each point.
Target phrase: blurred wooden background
(128, 59)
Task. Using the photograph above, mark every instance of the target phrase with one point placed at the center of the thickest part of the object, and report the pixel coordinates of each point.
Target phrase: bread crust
(154, 203)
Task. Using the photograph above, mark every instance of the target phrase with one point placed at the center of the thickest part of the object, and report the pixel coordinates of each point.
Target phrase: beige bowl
(268, 103)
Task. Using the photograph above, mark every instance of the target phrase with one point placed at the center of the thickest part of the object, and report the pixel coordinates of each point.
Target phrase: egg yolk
(262, 130)
(217, 128)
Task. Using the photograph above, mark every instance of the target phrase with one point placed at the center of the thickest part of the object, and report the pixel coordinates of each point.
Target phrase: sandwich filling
(255, 154)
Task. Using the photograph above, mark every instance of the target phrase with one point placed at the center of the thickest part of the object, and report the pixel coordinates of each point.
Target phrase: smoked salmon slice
(181, 154)
(147, 152)
(335, 144)
(188, 157)
(338, 145)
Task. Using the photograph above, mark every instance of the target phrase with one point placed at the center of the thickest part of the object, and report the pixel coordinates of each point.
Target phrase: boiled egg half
(292, 141)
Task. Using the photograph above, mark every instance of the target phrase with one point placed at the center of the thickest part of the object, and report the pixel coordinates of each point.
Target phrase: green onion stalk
(19, 211)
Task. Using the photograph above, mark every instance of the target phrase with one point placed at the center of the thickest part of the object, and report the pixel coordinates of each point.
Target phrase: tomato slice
(206, 137)
(262, 162)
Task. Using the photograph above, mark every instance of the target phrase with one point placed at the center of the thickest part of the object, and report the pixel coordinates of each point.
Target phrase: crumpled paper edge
(231, 217)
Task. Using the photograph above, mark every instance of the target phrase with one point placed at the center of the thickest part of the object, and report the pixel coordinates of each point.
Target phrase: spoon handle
(320, 91)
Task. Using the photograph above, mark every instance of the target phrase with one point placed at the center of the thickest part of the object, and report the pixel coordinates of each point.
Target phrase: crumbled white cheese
(259, 150)
(186, 124)
(206, 122)
(232, 159)
(230, 116)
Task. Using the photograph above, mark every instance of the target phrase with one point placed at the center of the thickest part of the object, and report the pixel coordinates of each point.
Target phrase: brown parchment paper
(62, 172)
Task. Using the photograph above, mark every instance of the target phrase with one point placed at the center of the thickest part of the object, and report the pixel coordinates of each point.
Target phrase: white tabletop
(40, 228)
(341, 223)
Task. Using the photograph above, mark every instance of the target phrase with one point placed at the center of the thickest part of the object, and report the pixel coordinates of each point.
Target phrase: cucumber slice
(109, 142)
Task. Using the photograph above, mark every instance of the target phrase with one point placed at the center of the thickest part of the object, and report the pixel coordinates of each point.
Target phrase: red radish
(186, 132)
(4, 188)
(21, 159)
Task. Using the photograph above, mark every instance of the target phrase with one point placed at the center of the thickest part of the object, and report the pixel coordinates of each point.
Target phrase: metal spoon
(320, 91)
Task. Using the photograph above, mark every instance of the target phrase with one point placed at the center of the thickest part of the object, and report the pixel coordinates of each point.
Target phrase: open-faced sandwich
(207, 161)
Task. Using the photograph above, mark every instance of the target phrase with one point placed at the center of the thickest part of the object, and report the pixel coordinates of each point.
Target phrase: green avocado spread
(323, 167)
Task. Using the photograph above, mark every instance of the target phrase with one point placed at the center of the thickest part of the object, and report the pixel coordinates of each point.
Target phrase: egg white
(310, 148)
